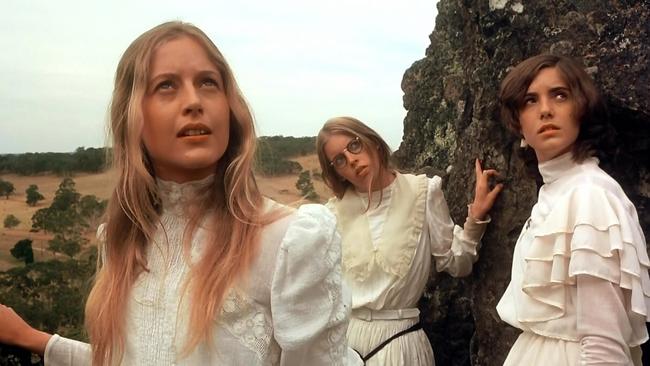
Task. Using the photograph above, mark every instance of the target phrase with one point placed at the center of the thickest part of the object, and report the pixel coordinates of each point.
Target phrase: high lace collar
(553, 169)
(562, 165)
(176, 196)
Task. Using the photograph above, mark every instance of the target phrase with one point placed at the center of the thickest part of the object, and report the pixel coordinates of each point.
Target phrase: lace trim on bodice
(176, 196)
(333, 283)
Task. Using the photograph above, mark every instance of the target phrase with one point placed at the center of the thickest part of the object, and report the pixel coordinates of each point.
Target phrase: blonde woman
(580, 289)
(196, 267)
(395, 228)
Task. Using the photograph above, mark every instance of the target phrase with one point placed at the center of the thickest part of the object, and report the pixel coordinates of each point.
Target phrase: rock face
(450, 96)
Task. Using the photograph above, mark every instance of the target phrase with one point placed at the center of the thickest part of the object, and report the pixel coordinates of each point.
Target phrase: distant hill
(87, 160)
(272, 158)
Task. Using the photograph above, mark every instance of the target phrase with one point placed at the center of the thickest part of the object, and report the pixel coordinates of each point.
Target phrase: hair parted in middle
(134, 209)
(595, 133)
(352, 127)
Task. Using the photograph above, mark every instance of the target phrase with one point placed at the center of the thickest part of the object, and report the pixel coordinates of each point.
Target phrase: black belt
(413, 328)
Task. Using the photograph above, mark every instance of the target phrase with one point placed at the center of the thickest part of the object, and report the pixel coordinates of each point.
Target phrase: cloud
(297, 62)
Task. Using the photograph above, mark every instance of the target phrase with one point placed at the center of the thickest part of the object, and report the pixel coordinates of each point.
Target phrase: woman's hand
(483, 197)
(15, 331)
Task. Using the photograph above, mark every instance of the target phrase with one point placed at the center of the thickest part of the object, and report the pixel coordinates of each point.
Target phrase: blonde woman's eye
(209, 82)
(165, 85)
(339, 161)
(562, 96)
(354, 147)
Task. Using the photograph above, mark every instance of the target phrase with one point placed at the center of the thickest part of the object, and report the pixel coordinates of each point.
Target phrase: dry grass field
(282, 189)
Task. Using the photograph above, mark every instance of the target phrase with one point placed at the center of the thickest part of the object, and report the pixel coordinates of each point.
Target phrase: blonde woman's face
(186, 112)
(350, 163)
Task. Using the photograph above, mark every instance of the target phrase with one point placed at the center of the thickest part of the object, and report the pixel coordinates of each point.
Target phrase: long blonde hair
(134, 209)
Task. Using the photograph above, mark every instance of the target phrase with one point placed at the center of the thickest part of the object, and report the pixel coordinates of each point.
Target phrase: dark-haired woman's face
(547, 117)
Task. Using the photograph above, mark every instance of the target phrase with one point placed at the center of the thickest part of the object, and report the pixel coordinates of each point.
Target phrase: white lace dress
(292, 310)
(441, 245)
(580, 289)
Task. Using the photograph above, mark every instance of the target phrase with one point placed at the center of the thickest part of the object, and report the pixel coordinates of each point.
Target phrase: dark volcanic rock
(451, 100)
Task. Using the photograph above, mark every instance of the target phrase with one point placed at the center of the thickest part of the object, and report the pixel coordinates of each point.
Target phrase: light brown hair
(134, 209)
(370, 139)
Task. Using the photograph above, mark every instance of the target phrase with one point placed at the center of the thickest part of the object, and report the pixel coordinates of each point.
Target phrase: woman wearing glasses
(395, 227)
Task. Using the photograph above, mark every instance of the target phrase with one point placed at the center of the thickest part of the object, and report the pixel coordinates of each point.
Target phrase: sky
(298, 63)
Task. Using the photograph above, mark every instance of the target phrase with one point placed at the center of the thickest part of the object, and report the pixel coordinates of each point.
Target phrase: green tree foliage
(287, 146)
(273, 152)
(50, 295)
(272, 165)
(90, 160)
(69, 215)
(33, 195)
(15, 356)
(6, 188)
(22, 250)
(11, 221)
(63, 214)
(70, 245)
(306, 187)
(91, 209)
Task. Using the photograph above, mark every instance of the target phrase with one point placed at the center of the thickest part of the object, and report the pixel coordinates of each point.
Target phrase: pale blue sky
(297, 62)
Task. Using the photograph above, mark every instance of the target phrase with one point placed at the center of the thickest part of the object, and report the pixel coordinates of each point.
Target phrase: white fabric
(583, 242)
(393, 252)
(454, 250)
(602, 329)
(291, 310)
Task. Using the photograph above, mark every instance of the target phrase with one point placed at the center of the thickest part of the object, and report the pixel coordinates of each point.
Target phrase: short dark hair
(590, 107)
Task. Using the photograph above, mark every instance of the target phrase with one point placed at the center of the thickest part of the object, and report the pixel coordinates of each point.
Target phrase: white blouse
(453, 248)
(291, 310)
(581, 246)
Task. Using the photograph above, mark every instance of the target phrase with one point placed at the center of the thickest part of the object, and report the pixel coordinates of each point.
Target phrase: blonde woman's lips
(194, 130)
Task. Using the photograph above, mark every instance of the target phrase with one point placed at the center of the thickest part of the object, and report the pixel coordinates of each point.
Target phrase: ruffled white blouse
(291, 310)
(580, 266)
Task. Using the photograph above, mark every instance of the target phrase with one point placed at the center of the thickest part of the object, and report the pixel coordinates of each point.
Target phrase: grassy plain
(280, 188)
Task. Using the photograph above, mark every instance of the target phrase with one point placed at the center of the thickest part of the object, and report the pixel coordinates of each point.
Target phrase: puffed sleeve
(309, 305)
(454, 249)
(62, 351)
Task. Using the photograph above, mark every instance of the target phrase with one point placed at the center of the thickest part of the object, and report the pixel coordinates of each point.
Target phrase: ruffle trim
(360, 266)
(589, 232)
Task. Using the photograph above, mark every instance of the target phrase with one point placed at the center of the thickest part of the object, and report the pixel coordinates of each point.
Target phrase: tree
(306, 187)
(63, 214)
(23, 251)
(66, 195)
(6, 188)
(69, 246)
(91, 209)
(43, 219)
(33, 195)
(11, 221)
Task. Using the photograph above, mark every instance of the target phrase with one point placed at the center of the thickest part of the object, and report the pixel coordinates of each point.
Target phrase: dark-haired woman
(579, 290)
